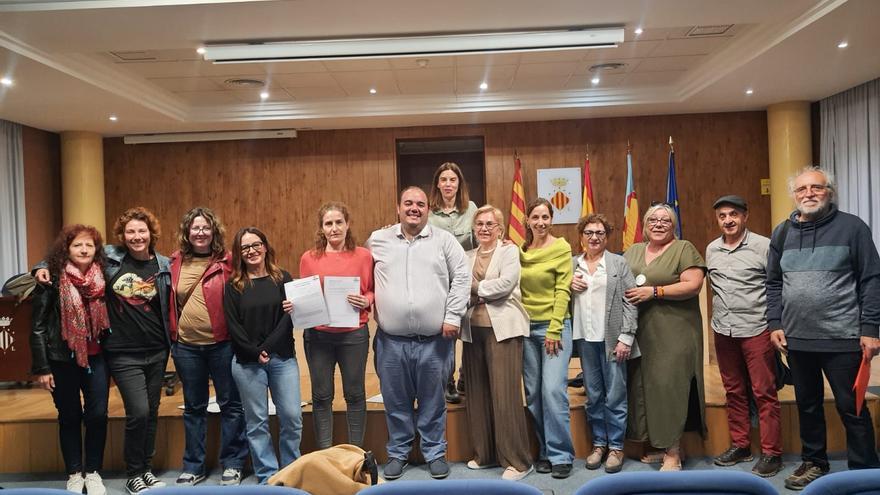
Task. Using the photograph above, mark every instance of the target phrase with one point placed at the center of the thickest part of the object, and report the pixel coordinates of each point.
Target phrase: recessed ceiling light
(749, 91)
(200, 50)
(639, 31)
(6, 81)
(114, 118)
(372, 91)
(484, 85)
(264, 95)
(595, 80)
(842, 44)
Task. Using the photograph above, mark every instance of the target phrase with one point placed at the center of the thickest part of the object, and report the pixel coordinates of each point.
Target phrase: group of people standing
(443, 272)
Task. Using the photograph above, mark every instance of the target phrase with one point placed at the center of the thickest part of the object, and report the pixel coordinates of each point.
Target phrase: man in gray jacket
(823, 308)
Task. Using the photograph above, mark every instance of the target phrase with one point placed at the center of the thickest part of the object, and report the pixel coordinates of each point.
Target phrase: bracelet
(655, 292)
(659, 291)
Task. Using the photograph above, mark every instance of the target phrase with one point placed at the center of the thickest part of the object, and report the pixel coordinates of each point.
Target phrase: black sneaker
(438, 468)
(543, 466)
(561, 471)
(394, 469)
(152, 481)
(734, 455)
(767, 466)
(136, 485)
(804, 475)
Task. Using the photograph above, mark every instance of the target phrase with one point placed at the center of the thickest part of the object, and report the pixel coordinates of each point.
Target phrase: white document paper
(336, 290)
(309, 309)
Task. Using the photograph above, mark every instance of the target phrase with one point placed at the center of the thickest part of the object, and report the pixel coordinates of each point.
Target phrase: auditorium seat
(226, 490)
(855, 482)
(451, 487)
(702, 482)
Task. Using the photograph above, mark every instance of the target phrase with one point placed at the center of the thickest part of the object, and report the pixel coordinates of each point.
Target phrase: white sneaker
(94, 484)
(231, 476)
(76, 483)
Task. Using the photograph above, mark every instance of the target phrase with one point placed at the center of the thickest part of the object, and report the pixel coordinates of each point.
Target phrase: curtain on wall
(13, 231)
(850, 136)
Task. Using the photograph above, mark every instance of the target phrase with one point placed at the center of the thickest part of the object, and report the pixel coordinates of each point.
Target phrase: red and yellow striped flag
(587, 206)
(516, 230)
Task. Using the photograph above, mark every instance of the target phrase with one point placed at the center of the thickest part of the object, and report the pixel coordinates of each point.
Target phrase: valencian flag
(632, 223)
(587, 203)
(672, 188)
(516, 230)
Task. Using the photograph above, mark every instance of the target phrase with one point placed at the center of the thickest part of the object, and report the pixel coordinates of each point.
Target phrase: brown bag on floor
(339, 470)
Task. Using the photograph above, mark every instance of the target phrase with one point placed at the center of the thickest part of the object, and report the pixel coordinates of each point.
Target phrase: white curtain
(850, 136)
(13, 230)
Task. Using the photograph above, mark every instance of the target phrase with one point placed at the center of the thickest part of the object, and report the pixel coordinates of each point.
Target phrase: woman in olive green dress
(666, 383)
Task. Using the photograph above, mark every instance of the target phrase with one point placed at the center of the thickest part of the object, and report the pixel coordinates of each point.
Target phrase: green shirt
(545, 281)
(461, 225)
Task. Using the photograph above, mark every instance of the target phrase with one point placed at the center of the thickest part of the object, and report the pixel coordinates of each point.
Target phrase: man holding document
(335, 320)
(422, 288)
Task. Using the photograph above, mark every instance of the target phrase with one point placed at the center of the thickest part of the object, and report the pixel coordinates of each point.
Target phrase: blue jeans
(281, 377)
(605, 382)
(414, 370)
(194, 364)
(546, 383)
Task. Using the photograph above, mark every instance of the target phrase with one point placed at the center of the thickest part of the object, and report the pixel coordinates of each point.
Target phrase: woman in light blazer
(493, 333)
(604, 333)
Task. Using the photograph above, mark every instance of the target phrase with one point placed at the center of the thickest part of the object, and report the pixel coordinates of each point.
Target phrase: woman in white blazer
(493, 332)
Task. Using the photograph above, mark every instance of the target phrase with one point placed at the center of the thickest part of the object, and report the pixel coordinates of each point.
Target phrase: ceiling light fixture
(484, 85)
(413, 46)
(639, 31)
(842, 44)
(264, 95)
(114, 118)
(750, 91)
(595, 80)
(372, 91)
(200, 50)
(6, 81)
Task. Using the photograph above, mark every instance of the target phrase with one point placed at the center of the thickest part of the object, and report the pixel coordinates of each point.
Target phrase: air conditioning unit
(183, 137)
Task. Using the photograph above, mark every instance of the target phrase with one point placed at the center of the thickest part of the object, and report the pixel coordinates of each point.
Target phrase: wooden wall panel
(42, 189)
(278, 185)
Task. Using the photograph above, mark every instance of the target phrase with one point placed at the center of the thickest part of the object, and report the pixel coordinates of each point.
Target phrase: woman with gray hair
(604, 333)
(666, 382)
(493, 332)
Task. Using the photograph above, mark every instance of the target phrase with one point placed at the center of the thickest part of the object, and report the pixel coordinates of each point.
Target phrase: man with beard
(823, 295)
(737, 265)
(422, 286)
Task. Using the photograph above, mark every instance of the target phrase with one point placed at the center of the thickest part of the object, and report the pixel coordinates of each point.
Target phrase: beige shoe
(672, 460)
(614, 462)
(511, 474)
(594, 460)
(472, 464)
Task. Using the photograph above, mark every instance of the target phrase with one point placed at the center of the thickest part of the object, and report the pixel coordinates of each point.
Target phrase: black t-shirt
(256, 320)
(134, 308)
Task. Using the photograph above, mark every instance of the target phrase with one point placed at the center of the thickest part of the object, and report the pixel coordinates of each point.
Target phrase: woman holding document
(262, 340)
(336, 255)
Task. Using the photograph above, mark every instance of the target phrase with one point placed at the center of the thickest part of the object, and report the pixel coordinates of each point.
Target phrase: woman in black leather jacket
(69, 317)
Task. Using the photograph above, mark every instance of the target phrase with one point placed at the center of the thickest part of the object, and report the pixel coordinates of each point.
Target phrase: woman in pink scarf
(68, 320)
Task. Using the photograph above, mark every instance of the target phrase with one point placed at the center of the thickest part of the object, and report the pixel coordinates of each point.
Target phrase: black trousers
(138, 375)
(840, 368)
(70, 380)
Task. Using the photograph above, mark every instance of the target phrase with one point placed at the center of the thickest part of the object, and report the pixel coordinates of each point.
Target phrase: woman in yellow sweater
(545, 282)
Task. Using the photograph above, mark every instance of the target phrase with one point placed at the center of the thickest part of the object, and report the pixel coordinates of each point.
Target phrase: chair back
(225, 490)
(702, 482)
(855, 482)
(452, 487)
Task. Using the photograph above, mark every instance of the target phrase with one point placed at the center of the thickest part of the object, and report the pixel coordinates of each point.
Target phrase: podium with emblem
(15, 332)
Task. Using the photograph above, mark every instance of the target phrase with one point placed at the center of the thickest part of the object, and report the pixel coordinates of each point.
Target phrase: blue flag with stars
(672, 191)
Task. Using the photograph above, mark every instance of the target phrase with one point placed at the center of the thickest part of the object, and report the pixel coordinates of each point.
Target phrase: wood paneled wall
(42, 189)
(278, 185)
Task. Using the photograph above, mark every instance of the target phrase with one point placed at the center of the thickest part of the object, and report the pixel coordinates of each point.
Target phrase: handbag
(338, 470)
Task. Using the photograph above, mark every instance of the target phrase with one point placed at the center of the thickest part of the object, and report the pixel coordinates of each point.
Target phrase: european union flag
(672, 191)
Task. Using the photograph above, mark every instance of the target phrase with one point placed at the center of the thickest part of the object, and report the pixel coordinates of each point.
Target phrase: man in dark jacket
(823, 298)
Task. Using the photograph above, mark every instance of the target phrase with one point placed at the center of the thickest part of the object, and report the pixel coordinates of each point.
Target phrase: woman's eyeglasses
(256, 246)
(487, 225)
(600, 234)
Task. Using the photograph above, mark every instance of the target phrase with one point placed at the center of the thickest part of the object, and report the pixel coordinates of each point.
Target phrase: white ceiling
(76, 62)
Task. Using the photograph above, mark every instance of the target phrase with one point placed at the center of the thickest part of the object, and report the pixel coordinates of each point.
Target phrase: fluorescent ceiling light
(416, 46)
(184, 137)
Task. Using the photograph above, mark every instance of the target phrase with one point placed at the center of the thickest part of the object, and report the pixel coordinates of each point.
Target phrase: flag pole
(671, 146)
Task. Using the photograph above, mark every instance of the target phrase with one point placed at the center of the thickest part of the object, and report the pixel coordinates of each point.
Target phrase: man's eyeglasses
(256, 246)
(487, 225)
(813, 188)
(600, 234)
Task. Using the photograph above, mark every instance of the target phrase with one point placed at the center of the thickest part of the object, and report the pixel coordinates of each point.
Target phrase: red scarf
(83, 312)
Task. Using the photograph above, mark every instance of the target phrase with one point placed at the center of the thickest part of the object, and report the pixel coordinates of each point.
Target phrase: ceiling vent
(244, 83)
(607, 67)
(703, 31)
(135, 56)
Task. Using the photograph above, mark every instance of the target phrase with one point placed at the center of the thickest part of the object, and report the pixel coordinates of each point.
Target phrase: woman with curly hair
(69, 318)
(201, 346)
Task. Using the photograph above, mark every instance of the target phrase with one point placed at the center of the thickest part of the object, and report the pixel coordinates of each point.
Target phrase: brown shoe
(614, 462)
(594, 460)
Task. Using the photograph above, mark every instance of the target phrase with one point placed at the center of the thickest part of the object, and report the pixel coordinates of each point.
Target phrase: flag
(587, 206)
(516, 230)
(672, 189)
(632, 223)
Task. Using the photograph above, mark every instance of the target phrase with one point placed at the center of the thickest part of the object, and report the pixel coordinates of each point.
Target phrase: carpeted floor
(550, 486)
